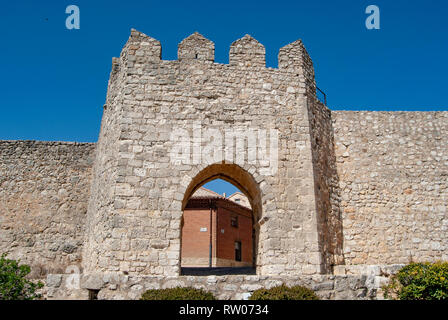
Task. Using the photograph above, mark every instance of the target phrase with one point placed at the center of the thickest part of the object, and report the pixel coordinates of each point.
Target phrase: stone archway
(246, 183)
(232, 173)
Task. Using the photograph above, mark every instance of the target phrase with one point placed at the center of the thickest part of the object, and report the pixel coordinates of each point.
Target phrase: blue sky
(54, 80)
(220, 186)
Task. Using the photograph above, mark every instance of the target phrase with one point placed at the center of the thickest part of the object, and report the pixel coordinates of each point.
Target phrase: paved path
(217, 271)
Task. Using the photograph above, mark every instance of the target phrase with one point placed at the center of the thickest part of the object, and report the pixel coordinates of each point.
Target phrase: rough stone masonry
(355, 193)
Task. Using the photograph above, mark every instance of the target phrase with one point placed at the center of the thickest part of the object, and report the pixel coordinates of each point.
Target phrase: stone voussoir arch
(246, 178)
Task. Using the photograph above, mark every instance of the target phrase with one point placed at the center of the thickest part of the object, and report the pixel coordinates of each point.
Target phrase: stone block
(93, 282)
(54, 280)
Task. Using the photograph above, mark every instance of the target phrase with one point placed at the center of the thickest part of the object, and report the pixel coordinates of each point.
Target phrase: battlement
(196, 47)
(244, 53)
(247, 52)
(295, 59)
(139, 49)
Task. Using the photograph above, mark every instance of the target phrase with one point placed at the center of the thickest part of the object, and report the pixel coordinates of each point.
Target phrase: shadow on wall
(327, 190)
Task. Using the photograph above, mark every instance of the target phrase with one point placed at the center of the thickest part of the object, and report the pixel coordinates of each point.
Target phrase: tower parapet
(196, 46)
(140, 49)
(295, 59)
(247, 52)
(244, 52)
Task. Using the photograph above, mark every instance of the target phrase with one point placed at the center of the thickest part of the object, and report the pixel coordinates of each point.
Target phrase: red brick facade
(209, 238)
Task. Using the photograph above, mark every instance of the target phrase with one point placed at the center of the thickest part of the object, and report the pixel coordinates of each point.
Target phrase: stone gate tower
(138, 192)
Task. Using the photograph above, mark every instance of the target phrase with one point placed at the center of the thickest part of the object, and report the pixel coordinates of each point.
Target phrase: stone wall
(235, 287)
(44, 189)
(326, 184)
(393, 171)
(105, 173)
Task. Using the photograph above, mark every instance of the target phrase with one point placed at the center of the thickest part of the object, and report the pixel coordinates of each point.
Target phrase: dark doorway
(238, 250)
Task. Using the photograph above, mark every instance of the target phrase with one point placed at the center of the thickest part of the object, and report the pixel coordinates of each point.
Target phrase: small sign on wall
(203, 230)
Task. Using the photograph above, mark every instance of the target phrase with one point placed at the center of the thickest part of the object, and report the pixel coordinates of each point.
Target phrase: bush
(13, 284)
(284, 293)
(177, 294)
(419, 281)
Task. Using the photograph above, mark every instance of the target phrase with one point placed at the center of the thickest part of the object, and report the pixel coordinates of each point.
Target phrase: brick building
(216, 231)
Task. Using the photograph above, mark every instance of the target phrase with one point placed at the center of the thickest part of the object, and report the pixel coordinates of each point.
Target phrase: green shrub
(177, 294)
(419, 281)
(13, 284)
(284, 293)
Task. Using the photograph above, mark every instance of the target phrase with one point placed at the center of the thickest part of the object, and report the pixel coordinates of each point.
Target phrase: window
(237, 200)
(237, 250)
(234, 222)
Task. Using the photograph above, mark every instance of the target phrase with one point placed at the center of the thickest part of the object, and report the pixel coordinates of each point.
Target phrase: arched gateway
(246, 183)
(170, 126)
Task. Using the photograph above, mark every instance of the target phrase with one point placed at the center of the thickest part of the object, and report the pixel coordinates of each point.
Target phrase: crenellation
(247, 52)
(196, 47)
(139, 50)
(295, 59)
